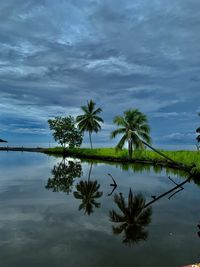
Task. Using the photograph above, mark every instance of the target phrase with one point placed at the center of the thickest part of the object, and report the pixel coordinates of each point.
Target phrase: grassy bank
(184, 159)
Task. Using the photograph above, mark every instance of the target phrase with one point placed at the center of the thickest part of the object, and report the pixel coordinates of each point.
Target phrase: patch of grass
(188, 158)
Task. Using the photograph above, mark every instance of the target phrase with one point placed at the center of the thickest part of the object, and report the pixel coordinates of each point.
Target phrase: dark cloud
(55, 55)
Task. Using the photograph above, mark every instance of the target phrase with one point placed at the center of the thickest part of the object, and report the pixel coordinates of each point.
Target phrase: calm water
(48, 220)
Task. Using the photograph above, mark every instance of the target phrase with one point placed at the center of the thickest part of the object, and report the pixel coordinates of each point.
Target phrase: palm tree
(89, 121)
(133, 219)
(134, 127)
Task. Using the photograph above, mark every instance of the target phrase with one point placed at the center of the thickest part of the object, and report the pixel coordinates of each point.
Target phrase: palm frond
(115, 217)
(120, 121)
(117, 131)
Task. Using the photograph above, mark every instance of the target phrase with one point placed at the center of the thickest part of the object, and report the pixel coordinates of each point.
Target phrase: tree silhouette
(89, 121)
(132, 220)
(64, 174)
(134, 127)
(88, 192)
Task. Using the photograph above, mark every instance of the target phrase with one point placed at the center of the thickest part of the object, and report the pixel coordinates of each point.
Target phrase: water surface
(56, 213)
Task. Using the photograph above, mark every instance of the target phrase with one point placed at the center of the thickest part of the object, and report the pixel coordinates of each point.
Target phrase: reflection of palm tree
(63, 176)
(133, 219)
(87, 191)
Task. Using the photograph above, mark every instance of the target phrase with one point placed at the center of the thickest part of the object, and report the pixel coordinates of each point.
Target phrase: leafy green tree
(89, 121)
(133, 125)
(132, 220)
(65, 131)
(64, 174)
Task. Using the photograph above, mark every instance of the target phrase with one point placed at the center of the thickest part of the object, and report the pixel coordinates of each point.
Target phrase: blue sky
(56, 55)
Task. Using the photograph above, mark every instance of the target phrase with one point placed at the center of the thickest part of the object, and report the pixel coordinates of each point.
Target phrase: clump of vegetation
(65, 131)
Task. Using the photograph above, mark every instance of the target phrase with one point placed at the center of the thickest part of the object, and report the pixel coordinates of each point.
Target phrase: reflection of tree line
(135, 214)
(62, 180)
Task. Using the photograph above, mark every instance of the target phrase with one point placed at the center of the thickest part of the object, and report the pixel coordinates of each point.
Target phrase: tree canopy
(65, 131)
(133, 126)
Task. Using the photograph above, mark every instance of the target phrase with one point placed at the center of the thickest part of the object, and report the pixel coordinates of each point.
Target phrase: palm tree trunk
(160, 153)
(90, 139)
(157, 151)
(130, 148)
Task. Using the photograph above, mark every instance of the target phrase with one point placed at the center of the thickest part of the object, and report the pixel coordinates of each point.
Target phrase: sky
(56, 55)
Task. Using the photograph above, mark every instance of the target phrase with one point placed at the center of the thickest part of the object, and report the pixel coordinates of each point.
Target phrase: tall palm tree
(133, 219)
(134, 127)
(89, 121)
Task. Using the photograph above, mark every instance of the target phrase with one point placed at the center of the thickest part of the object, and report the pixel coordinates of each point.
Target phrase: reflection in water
(133, 219)
(88, 192)
(135, 215)
(64, 174)
(114, 185)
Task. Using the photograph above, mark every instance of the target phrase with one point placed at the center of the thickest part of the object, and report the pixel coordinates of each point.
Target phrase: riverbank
(184, 160)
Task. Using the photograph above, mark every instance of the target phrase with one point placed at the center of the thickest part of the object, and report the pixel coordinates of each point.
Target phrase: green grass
(188, 158)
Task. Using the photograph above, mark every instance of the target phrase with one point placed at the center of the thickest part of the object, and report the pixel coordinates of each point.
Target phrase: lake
(62, 212)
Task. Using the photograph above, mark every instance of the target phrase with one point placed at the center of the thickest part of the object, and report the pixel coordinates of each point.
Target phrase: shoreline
(119, 157)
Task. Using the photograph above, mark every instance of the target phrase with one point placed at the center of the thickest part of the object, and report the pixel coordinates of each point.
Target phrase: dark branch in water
(168, 192)
(114, 185)
(173, 181)
(175, 193)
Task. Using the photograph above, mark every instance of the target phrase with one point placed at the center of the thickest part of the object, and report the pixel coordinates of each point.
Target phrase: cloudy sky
(56, 55)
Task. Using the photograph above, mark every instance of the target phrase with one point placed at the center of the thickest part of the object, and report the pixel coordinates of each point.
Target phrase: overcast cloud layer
(56, 55)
